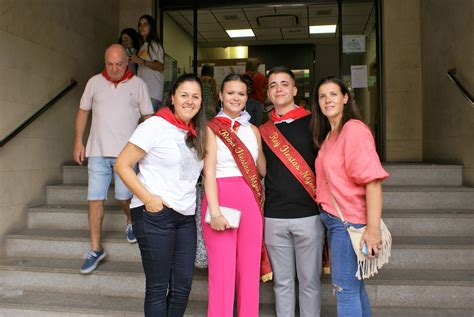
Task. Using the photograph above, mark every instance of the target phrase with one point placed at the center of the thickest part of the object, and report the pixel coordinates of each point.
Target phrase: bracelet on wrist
(149, 200)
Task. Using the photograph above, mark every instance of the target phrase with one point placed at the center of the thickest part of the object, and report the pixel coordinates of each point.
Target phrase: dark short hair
(207, 70)
(133, 35)
(281, 69)
(251, 65)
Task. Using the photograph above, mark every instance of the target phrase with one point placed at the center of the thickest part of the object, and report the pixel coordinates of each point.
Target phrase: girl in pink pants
(233, 254)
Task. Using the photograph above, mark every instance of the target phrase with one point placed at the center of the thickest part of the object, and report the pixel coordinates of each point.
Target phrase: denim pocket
(162, 212)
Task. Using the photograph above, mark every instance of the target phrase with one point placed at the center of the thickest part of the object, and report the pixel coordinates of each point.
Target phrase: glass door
(360, 61)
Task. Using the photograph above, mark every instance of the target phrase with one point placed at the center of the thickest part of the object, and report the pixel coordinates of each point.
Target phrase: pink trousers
(234, 254)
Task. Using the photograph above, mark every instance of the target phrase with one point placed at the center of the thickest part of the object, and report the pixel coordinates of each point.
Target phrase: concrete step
(73, 217)
(394, 197)
(47, 304)
(73, 194)
(422, 174)
(407, 288)
(448, 253)
(20, 303)
(400, 174)
(407, 252)
(437, 222)
(428, 197)
(71, 244)
(75, 174)
(430, 222)
(50, 304)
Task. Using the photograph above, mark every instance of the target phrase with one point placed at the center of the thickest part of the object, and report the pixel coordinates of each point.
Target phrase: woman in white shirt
(169, 148)
(150, 59)
(234, 254)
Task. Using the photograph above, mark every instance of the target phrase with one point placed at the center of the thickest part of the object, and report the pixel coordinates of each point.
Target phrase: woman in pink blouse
(349, 169)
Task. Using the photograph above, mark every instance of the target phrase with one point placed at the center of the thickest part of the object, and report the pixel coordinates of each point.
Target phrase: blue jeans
(167, 241)
(100, 171)
(351, 296)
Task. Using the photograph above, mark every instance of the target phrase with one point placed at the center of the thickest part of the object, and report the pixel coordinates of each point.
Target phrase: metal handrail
(452, 75)
(38, 113)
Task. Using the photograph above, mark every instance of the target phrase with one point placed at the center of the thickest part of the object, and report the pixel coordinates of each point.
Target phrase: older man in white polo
(118, 101)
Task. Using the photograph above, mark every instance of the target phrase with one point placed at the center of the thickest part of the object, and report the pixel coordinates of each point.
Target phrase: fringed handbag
(367, 267)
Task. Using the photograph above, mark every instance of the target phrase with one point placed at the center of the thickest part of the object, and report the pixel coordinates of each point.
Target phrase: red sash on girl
(289, 157)
(249, 171)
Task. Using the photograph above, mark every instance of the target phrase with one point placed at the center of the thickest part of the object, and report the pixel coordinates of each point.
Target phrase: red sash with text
(296, 164)
(247, 167)
(288, 155)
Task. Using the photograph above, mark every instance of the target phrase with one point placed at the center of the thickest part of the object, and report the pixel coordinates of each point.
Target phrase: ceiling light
(240, 33)
(320, 29)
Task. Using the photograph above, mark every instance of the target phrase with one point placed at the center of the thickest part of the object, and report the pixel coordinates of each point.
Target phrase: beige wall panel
(403, 150)
(448, 126)
(131, 10)
(404, 121)
(43, 44)
(402, 81)
(178, 44)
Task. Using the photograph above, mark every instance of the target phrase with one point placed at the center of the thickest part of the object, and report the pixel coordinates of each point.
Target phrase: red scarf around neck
(294, 114)
(127, 75)
(228, 122)
(169, 116)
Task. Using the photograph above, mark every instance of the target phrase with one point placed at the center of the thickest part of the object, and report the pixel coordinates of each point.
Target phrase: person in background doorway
(118, 100)
(209, 91)
(259, 81)
(150, 59)
(348, 169)
(129, 40)
(253, 107)
(170, 149)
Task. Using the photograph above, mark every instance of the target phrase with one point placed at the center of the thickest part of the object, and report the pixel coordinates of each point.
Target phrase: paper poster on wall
(359, 76)
(353, 43)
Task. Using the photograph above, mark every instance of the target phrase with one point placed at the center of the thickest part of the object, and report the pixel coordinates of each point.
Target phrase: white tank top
(226, 166)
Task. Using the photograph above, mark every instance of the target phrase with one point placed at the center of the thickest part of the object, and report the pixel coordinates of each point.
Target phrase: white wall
(178, 44)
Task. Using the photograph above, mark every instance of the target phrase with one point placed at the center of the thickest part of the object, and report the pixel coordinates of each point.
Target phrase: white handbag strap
(334, 202)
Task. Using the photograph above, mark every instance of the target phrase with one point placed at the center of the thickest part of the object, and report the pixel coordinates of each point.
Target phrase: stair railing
(38, 113)
(452, 75)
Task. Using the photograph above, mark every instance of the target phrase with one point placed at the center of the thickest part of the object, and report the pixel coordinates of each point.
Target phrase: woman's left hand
(372, 238)
(135, 59)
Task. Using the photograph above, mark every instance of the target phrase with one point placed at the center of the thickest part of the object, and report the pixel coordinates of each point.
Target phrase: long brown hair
(199, 120)
(320, 126)
(152, 36)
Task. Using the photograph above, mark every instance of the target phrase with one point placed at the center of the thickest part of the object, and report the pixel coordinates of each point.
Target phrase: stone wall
(43, 45)
(402, 80)
(448, 118)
